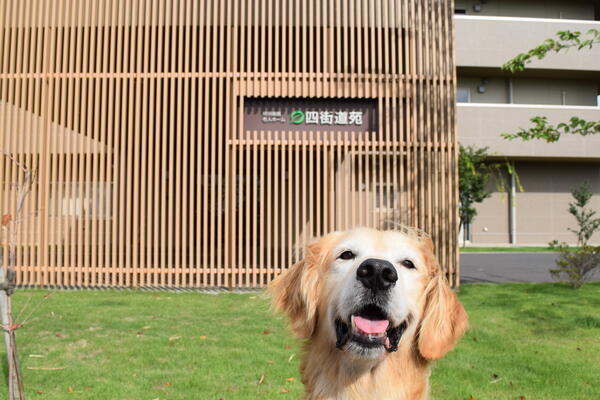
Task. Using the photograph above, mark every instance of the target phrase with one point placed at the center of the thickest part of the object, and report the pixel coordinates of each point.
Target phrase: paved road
(507, 267)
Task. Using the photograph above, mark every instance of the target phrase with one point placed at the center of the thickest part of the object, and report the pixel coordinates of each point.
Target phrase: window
(460, 11)
(463, 95)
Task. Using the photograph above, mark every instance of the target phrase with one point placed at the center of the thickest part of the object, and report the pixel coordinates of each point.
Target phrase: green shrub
(577, 265)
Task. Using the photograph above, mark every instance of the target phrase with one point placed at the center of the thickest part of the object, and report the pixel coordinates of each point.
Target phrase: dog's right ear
(296, 291)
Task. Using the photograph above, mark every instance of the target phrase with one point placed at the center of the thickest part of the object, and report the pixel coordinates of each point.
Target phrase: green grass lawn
(539, 341)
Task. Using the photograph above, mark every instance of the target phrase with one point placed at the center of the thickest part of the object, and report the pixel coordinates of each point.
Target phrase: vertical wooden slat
(452, 169)
(228, 110)
(270, 238)
(201, 205)
(297, 200)
(261, 189)
(18, 129)
(256, 155)
(100, 147)
(153, 238)
(250, 277)
(144, 214)
(112, 149)
(178, 83)
(171, 138)
(94, 164)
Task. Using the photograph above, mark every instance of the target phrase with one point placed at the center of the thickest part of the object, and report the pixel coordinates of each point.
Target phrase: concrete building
(491, 102)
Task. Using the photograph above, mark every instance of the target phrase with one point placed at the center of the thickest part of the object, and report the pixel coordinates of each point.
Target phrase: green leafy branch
(566, 40)
(475, 170)
(551, 133)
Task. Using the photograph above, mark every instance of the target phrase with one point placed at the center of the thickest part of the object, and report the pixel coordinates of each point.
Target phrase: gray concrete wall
(496, 90)
(482, 124)
(550, 91)
(542, 213)
(531, 90)
(531, 8)
(489, 42)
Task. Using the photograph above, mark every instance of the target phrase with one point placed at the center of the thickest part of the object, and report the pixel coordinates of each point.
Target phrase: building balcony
(481, 124)
(489, 42)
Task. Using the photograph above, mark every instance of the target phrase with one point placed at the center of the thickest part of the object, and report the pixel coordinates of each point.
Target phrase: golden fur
(329, 373)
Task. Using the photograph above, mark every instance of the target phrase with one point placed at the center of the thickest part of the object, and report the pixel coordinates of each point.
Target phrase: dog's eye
(408, 264)
(347, 255)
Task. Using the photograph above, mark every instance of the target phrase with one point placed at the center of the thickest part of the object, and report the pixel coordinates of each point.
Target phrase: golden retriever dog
(373, 309)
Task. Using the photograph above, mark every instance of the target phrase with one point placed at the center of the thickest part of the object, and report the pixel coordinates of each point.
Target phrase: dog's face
(364, 291)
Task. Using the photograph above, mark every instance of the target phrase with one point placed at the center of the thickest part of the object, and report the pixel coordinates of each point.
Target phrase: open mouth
(369, 328)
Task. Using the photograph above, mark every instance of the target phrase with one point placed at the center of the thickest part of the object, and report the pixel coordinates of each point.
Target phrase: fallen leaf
(266, 332)
(70, 389)
(521, 397)
(287, 347)
(262, 379)
(6, 219)
(40, 392)
(471, 397)
(290, 379)
(58, 335)
(232, 388)
(172, 338)
(284, 390)
(202, 337)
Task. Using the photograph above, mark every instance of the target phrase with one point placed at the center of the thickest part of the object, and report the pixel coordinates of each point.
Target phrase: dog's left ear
(444, 320)
(296, 291)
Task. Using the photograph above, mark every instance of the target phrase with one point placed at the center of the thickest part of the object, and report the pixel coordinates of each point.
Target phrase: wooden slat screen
(131, 115)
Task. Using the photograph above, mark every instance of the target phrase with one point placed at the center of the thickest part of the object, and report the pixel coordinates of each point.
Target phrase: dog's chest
(380, 388)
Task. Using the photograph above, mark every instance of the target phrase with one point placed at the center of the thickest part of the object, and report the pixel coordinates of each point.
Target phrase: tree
(566, 40)
(475, 170)
(541, 129)
(576, 266)
(473, 176)
(9, 225)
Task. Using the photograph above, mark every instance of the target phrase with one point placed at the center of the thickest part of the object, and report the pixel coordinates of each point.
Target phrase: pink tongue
(370, 327)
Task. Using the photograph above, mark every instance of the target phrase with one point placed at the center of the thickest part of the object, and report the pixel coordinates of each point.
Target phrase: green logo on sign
(297, 117)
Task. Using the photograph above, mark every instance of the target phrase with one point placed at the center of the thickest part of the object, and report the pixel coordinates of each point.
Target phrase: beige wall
(491, 225)
(482, 124)
(491, 41)
(532, 90)
(542, 213)
(533, 9)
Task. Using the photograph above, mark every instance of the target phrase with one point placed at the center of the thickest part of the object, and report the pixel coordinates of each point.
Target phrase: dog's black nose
(377, 274)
